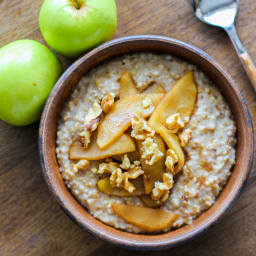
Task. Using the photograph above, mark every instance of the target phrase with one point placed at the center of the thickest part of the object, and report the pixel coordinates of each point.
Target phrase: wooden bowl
(63, 89)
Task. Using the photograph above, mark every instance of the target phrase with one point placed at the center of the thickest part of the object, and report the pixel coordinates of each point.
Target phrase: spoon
(222, 14)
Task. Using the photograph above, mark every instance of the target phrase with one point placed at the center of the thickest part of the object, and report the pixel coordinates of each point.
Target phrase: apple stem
(76, 3)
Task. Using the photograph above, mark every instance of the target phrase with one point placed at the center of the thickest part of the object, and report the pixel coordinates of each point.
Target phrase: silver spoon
(222, 13)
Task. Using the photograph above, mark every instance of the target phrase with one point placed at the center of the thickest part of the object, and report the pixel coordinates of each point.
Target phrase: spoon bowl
(222, 13)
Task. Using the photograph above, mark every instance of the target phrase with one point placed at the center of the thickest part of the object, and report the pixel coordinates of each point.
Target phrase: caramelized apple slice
(173, 143)
(105, 187)
(122, 145)
(127, 84)
(118, 120)
(153, 173)
(180, 99)
(149, 202)
(147, 219)
(155, 88)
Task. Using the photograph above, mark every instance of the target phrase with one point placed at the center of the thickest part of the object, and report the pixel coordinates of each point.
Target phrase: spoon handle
(245, 58)
(249, 67)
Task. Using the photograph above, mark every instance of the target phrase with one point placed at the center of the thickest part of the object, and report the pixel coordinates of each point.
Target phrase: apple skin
(28, 72)
(71, 31)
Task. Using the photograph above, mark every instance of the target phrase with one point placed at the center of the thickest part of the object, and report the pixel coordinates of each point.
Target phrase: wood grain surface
(32, 223)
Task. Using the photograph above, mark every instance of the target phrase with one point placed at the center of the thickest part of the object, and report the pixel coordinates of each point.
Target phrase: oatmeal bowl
(146, 142)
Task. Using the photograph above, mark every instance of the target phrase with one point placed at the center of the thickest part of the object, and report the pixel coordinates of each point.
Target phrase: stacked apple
(113, 139)
(29, 70)
(71, 27)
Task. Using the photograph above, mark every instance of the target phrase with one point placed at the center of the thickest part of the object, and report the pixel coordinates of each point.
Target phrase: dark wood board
(32, 223)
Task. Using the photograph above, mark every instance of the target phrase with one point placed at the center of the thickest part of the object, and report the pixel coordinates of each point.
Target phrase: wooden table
(31, 222)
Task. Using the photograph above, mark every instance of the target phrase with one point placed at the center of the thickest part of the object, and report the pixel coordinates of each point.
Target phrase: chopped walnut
(85, 138)
(80, 165)
(147, 102)
(135, 172)
(118, 178)
(148, 105)
(126, 164)
(107, 168)
(150, 151)
(140, 128)
(121, 179)
(94, 170)
(136, 163)
(127, 184)
(107, 102)
(174, 122)
(184, 137)
(91, 123)
(94, 112)
(171, 160)
(161, 189)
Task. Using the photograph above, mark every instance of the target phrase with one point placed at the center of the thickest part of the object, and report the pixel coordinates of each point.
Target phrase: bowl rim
(101, 230)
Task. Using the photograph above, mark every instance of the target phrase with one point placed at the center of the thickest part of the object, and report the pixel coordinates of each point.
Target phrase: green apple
(71, 27)
(28, 71)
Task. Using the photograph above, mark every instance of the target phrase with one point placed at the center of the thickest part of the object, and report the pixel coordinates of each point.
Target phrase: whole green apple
(28, 71)
(71, 27)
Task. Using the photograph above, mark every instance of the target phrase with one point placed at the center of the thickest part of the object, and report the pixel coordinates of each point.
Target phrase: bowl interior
(155, 44)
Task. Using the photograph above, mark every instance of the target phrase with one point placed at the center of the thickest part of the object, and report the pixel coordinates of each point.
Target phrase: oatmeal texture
(209, 138)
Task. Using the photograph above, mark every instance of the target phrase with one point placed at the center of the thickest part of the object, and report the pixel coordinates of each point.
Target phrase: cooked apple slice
(105, 187)
(180, 99)
(118, 120)
(155, 88)
(149, 202)
(173, 143)
(148, 219)
(153, 173)
(123, 144)
(127, 84)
